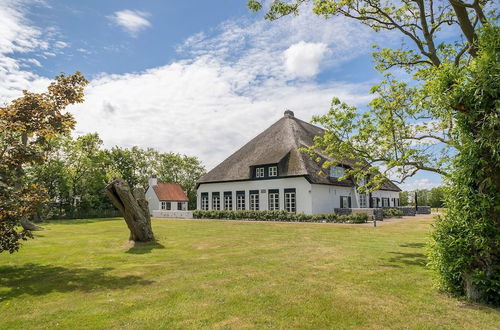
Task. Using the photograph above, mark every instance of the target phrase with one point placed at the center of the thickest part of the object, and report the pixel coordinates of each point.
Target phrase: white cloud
(231, 85)
(303, 58)
(18, 36)
(417, 184)
(132, 21)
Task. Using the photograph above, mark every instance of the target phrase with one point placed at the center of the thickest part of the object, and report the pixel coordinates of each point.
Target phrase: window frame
(260, 172)
(386, 199)
(273, 171)
(228, 200)
(254, 200)
(290, 200)
(363, 198)
(336, 169)
(273, 200)
(240, 200)
(216, 197)
(204, 203)
(347, 199)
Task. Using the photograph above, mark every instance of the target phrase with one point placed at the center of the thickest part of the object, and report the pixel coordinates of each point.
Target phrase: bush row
(280, 216)
(388, 213)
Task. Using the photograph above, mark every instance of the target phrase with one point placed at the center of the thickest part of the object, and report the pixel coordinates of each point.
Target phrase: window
(362, 200)
(273, 171)
(240, 200)
(179, 206)
(337, 171)
(259, 172)
(362, 181)
(228, 200)
(274, 200)
(396, 200)
(254, 200)
(375, 202)
(166, 205)
(215, 201)
(385, 202)
(345, 202)
(204, 201)
(290, 203)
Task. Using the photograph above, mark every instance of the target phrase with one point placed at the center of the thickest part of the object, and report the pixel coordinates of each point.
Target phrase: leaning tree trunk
(134, 208)
(28, 225)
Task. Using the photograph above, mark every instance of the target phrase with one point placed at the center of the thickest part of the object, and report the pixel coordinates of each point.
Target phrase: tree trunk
(28, 225)
(133, 207)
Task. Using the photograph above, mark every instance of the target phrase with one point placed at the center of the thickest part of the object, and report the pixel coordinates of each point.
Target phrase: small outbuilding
(165, 197)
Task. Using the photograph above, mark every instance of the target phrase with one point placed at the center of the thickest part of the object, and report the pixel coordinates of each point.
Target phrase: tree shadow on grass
(143, 248)
(79, 221)
(411, 259)
(38, 280)
(413, 245)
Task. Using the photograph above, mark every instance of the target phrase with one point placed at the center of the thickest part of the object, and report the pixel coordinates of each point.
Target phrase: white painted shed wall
(153, 201)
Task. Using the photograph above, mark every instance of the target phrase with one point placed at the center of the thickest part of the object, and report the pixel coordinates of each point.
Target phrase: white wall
(301, 185)
(153, 202)
(326, 198)
(310, 198)
(386, 194)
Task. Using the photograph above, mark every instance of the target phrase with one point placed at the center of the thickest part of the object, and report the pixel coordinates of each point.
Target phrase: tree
(444, 121)
(27, 125)
(436, 197)
(183, 170)
(134, 208)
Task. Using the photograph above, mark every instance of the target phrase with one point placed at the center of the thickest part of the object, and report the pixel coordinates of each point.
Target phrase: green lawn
(228, 274)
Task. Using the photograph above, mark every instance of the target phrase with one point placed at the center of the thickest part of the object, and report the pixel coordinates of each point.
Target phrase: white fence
(173, 214)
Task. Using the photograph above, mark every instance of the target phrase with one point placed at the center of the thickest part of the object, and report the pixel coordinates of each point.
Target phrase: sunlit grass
(229, 274)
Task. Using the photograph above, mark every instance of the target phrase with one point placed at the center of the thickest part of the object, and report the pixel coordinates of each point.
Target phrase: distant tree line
(432, 197)
(78, 169)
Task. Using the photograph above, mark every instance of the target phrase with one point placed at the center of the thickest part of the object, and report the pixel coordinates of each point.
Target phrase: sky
(200, 78)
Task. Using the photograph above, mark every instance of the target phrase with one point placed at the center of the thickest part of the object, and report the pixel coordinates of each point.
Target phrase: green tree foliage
(181, 169)
(78, 169)
(444, 120)
(27, 126)
(466, 242)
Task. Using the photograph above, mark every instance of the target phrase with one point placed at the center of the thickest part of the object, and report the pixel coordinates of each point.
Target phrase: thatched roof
(280, 144)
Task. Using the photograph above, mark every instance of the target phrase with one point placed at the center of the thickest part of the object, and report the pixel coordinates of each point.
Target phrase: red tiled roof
(170, 192)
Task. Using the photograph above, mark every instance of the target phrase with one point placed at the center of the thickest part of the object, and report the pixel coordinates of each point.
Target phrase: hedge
(280, 216)
(388, 213)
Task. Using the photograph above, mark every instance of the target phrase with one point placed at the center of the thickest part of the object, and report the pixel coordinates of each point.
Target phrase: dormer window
(259, 172)
(273, 171)
(337, 171)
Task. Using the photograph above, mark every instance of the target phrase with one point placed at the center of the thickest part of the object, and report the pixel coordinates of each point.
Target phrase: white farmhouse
(270, 173)
(165, 197)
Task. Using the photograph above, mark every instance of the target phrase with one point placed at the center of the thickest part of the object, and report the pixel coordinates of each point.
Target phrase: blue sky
(195, 77)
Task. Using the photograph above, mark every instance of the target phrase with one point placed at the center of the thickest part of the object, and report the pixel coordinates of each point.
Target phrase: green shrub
(388, 213)
(280, 216)
(358, 218)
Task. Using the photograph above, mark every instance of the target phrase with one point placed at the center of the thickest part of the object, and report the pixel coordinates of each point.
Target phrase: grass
(229, 274)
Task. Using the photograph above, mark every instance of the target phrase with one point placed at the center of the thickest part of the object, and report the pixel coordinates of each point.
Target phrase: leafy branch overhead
(407, 128)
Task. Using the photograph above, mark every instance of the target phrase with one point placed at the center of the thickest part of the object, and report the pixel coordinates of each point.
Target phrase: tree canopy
(27, 126)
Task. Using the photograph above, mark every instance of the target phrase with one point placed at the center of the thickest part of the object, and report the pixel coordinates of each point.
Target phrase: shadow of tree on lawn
(412, 259)
(143, 248)
(37, 280)
(413, 245)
